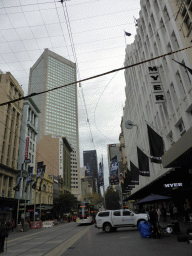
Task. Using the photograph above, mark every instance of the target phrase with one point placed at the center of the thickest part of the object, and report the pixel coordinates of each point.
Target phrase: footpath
(183, 225)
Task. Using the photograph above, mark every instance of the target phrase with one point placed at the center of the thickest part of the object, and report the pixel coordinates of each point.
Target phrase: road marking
(125, 237)
(59, 250)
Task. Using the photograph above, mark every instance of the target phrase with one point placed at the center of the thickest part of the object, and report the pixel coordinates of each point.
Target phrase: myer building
(159, 97)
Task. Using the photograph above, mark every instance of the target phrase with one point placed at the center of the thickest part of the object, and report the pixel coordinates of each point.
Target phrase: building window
(181, 127)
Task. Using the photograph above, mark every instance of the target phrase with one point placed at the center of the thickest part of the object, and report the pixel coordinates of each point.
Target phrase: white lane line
(59, 250)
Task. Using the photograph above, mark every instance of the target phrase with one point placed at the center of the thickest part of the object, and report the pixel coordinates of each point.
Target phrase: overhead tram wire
(74, 52)
(125, 62)
(93, 77)
(62, 30)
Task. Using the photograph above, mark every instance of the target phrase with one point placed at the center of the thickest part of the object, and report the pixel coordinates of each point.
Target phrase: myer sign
(173, 185)
(156, 84)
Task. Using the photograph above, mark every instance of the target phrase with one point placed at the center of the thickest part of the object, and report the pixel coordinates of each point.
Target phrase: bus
(85, 213)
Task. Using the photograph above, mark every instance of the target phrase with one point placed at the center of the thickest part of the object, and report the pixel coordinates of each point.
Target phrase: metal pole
(18, 212)
(34, 206)
(104, 197)
(40, 206)
(25, 207)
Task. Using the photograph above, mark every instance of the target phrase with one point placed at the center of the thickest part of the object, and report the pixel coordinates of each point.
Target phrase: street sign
(27, 161)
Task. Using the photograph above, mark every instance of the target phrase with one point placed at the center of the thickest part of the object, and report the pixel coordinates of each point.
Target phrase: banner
(156, 146)
(42, 175)
(143, 162)
(39, 170)
(17, 187)
(29, 179)
(134, 174)
(114, 179)
(100, 175)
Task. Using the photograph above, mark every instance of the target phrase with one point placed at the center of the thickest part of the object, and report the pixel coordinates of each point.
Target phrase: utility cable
(93, 77)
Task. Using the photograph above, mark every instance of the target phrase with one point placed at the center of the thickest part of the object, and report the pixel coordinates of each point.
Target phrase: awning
(180, 153)
(153, 198)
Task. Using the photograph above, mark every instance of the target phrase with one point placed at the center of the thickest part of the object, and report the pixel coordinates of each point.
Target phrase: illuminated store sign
(173, 185)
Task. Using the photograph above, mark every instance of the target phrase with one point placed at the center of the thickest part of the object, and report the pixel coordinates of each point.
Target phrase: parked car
(110, 220)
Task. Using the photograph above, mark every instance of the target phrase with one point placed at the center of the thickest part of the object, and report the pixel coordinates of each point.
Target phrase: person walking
(158, 214)
(153, 220)
(3, 234)
(175, 212)
(164, 213)
(12, 224)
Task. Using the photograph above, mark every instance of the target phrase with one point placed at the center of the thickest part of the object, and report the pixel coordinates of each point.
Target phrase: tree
(112, 199)
(95, 198)
(65, 203)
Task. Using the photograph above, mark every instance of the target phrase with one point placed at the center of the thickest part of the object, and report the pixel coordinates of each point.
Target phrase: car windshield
(135, 211)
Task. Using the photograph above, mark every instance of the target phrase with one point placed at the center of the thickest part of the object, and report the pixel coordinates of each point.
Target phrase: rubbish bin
(176, 227)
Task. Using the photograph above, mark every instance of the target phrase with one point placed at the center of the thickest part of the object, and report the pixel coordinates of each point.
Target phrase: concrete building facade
(27, 147)
(10, 125)
(162, 28)
(55, 152)
(59, 108)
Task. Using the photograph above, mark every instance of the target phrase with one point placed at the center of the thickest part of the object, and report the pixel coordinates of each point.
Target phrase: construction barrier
(35, 225)
(48, 224)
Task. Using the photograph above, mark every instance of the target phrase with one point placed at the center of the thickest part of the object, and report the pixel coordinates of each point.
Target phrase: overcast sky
(88, 32)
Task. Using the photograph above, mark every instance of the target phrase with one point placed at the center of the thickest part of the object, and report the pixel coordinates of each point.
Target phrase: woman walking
(3, 233)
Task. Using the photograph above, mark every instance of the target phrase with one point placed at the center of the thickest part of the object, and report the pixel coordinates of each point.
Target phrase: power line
(93, 77)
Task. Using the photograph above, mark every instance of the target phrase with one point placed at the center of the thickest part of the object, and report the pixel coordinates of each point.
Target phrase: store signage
(156, 84)
(173, 185)
(61, 157)
(27, 161)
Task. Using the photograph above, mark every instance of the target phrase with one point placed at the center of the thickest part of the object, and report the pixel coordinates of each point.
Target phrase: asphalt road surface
(70, 239)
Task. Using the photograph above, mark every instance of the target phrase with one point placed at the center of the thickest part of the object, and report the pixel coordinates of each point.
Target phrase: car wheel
(107, 227)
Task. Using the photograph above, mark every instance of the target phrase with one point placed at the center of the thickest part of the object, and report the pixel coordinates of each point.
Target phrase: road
(70, 239)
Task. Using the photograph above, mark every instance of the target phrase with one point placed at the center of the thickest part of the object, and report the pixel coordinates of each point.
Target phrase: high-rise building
(55, 153)
(90, 162)
(59, 108)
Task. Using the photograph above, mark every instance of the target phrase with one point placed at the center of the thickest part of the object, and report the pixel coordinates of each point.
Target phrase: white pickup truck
(110, 220)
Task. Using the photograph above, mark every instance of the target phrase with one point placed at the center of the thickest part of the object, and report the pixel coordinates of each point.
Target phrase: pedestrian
(158, 214)
(187, 210)
(171, 211)
(8, 224)
(175, 212)
(3, 234)
(153, 218)
(12, 224)
(164, 213)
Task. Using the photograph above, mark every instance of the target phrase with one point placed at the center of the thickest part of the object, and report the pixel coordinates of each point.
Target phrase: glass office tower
(59, 109)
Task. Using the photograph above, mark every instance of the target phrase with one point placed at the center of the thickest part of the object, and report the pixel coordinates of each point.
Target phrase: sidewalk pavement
(183, 225)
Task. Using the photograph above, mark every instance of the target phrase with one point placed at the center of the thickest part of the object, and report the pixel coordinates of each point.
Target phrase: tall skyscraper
(59, 108)
(90, 161)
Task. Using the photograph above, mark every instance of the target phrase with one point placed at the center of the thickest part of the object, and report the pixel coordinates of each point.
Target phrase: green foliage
(112, 199)
(95, 198)
(65, 203)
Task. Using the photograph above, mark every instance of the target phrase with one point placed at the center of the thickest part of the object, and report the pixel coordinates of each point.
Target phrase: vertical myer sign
(156, 84)
(61, 157)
